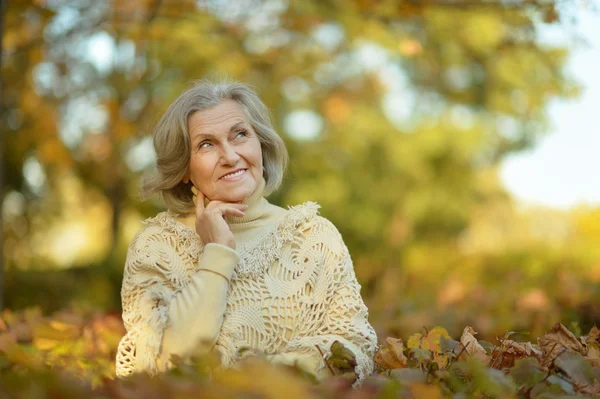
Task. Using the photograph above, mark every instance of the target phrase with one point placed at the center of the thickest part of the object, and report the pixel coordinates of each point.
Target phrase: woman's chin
(236, 194)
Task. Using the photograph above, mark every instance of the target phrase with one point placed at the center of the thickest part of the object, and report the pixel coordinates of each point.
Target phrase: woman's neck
(257, 206)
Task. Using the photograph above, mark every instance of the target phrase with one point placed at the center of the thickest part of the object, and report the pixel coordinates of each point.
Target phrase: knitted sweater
(288, 288)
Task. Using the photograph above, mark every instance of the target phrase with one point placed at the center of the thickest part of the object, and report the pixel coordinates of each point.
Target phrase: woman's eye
(241, 133)
(204, 144)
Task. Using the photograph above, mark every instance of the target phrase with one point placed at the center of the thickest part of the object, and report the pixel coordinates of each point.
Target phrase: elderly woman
(223, 268)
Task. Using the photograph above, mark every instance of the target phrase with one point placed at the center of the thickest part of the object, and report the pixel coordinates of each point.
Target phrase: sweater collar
(257, 205)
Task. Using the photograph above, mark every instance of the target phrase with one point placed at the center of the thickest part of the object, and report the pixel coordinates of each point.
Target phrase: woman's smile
(234, 176)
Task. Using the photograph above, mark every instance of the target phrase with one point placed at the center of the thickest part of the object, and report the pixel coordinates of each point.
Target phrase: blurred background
(453, 143)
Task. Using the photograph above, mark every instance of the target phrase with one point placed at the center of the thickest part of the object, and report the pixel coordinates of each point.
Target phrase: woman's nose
(228, 155)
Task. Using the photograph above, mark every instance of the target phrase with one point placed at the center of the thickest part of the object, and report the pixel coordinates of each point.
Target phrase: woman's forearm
(196, 312)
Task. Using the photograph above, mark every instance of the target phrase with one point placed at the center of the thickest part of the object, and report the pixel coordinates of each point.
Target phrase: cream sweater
(288, 288)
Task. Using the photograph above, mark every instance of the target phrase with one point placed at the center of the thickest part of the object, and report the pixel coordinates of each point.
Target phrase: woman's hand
(210, 220)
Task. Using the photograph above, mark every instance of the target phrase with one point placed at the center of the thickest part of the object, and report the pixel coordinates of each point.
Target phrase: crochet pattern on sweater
(293, 290)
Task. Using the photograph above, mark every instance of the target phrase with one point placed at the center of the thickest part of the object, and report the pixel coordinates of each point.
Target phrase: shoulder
(160, 242)
(152, 228)
(157, 230)
(163, 225)
(313, 229)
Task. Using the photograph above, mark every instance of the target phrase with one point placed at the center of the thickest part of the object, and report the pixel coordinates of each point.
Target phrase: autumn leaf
(414, 341)
(510, 351)
(392, 356)
(573, 364)
(471, 347)
(448, 344)
(593, 336)
(526, 372)
(421, 356)
(341, 358)
(592, 341)
(557, 341)
(431, 342)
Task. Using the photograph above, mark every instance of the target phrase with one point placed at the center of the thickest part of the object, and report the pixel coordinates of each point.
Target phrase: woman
(223, 267)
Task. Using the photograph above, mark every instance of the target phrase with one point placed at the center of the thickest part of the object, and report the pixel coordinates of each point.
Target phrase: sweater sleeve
(196, 313)
(346, 316)
(161, 319)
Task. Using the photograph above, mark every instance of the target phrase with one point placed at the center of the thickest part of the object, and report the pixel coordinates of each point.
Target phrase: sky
(563, 170)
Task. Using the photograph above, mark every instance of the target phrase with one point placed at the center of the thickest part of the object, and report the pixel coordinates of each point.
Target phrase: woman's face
(223, 143)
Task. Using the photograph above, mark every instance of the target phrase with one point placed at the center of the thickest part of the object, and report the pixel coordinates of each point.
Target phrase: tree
(395, 113)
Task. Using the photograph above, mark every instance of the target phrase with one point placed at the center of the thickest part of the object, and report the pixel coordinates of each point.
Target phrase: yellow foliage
(482, 32)
(431, 342)
(250, 378)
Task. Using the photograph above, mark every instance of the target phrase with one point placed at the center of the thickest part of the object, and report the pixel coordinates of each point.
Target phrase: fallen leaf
(593, 355)
(396, 346)
(557, 341)
(392, 356)
(448, 344)
(593, 336)
(510, 351)
(414, 341)
(579, 372)
(431, 342)
(565, 385)
(472, 347)
(526, 372)
(341, 357)
(592, 341)
(422, 356)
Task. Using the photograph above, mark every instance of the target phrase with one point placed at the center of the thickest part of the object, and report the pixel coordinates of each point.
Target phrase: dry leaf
(392, 357)
(593, 357)
(523, 349)
(396, 346)
(593, 345)
(472, 347)
(593, 336)
(557, 341)
(510, 351)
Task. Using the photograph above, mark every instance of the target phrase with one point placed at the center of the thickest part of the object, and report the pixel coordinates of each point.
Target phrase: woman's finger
(216, 203)
(225, 210)
(219, 204)
(234, 212)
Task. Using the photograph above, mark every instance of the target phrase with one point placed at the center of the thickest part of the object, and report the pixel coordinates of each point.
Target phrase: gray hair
(172, 142)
